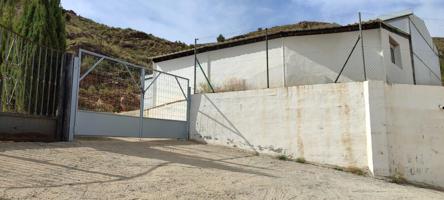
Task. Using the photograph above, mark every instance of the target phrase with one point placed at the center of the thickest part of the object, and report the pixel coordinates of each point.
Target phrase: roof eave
(280, 34)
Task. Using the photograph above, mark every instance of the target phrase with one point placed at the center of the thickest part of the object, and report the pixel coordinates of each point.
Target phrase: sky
(184, 20)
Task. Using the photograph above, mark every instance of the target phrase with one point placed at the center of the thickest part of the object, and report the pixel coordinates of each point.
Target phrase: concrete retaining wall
(415, 130)
(389, 130)
(320, 123)
(18, 127)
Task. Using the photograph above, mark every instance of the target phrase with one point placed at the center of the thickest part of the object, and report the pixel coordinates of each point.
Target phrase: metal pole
(142, 100)
(195, 63)
(37, 82)
(188, 110)
(411, 51)
(266, 52)
(284, 71)
(1, 79)
(44, 82)
(57, 78)
(206, 78)
(26, 62)
(77, 71)
(32, 73)
(51, 65)
(362, 46)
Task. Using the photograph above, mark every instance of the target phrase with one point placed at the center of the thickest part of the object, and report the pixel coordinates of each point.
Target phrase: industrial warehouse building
(398, 49)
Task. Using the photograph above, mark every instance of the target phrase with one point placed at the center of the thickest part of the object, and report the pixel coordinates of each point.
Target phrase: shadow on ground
(41, 161)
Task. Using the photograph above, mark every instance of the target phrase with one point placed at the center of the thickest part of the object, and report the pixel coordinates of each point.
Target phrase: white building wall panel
(318, 59)
(297, 60)
(426, 60)
(402, 73)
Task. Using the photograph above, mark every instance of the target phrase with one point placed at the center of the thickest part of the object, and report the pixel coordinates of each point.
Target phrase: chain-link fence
(30, 75)
(112, 86)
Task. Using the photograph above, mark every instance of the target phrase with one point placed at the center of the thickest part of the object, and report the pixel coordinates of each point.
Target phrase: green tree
(42, 22)
(8, 13)
(7, 21)
(220, 38)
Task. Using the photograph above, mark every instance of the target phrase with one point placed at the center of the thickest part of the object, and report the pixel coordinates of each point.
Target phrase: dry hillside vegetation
(127, 44)
(304, 25)
(439, 42)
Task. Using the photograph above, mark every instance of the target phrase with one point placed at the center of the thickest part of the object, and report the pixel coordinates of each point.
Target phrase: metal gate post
(188, 111)
(142, 101)
(74, 98)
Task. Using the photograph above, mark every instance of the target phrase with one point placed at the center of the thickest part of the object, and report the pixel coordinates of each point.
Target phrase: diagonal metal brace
(131, 75)
(205, 75)
(348, 58)
(12, 94)
(181, 89)
(10, 49)
(92, 68)
(154, 80)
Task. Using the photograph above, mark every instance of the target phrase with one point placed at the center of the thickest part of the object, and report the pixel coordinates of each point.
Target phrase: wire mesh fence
(309, 60)
(30, 75)
(117, 87)
(292, 61)
(165, 97)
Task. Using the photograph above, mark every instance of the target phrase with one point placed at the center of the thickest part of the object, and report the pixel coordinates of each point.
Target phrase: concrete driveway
(117, 168)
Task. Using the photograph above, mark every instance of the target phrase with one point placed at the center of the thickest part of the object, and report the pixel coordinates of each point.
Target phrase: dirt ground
(164, 169)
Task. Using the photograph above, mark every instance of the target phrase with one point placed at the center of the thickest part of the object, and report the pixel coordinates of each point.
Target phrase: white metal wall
(298, 60)
(425, 53)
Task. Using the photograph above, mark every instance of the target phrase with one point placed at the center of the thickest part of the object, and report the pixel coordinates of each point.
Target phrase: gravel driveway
(117, 168)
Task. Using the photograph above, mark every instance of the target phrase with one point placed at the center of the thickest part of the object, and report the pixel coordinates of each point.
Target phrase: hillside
(439, 42)
(127, 44)
(303, 25)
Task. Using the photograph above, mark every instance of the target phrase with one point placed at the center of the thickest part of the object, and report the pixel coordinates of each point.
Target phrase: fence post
(188, 126)
(411, 51)
(142, 101)
(77, 71)
(64, 90)
(74, 97)
(195, 63)
(266, 55)
(362, 46)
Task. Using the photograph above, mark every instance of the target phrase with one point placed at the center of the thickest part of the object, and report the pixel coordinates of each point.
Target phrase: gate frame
(77, 77)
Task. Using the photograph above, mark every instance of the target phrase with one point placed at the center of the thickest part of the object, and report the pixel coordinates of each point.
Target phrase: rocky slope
(127, 44)
(439, 42)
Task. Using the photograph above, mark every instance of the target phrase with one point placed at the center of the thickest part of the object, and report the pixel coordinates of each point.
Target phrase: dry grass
(233, 84)
(355, 170)
(398, 179)
(230, 85)
(300, 160)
